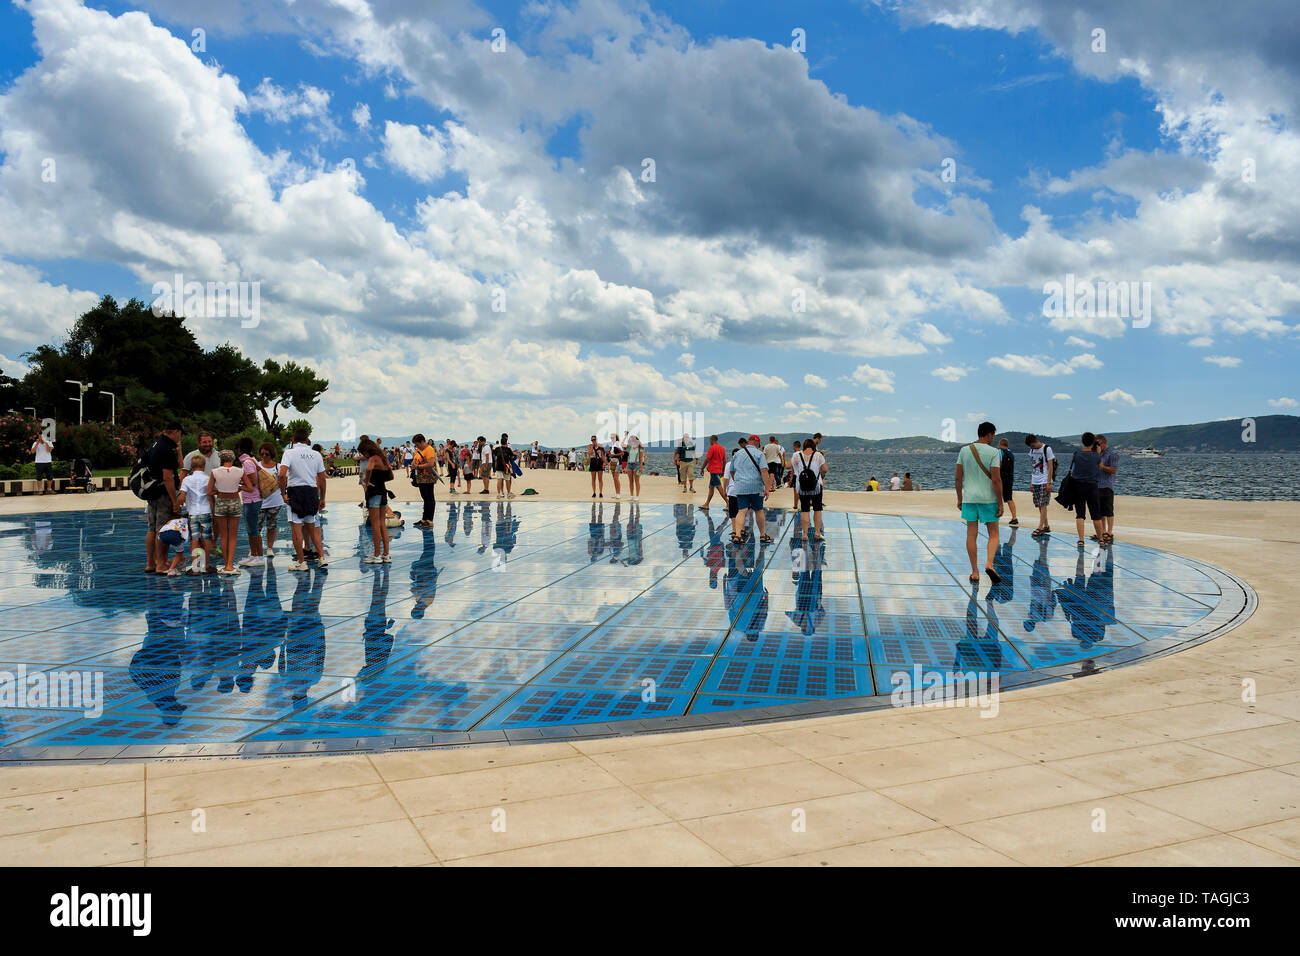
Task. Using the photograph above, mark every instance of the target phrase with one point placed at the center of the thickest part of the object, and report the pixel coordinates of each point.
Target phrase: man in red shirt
(715, 461)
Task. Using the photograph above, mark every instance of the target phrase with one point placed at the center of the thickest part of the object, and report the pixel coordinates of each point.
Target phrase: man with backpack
(154, 481)
(1042, 472)
(809, 467)
(503, 457)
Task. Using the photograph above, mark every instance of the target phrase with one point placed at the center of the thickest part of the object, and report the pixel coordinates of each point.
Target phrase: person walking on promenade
(774, 453)
(614, 463)
(503, 459)
(979, 497)
(1085, 470)
(1042, 475)
(302, 481)
(596, 465)
(1008, 466)
(193, 497)
(268, 480)
(223, 491)
(635, 452)
(43, 449)
(715, 463)
(485, 463)
(379, 474)
(684, 458)
(751, 484)
(809, 469)
(250, 496)
(424, 472)
(1108, 466)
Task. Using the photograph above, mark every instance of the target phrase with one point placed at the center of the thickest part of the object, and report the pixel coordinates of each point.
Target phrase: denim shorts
(754, 502)
(376, 500)
(252, 515)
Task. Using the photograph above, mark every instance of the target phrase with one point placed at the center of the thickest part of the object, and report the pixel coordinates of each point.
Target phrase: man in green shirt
(979, 496)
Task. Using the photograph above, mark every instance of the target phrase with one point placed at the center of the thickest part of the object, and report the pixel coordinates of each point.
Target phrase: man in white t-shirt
(895, 483)
(43, 449)
(302, 480)
(1042, 472)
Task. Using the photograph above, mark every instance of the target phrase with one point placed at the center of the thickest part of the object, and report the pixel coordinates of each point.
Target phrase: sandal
(974, 579)
(765, 539)
(735, 539)
(993, 576)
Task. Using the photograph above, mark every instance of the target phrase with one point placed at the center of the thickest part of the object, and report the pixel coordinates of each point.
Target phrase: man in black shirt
(163, 460)
(1008, 467)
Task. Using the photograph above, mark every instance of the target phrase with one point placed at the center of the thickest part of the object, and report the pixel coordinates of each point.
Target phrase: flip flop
(974, 579)
(993, 575)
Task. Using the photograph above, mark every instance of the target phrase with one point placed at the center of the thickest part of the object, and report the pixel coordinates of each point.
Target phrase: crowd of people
(196, 500)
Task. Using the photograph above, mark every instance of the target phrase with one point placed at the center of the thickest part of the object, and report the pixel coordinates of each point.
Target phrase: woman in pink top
(223, 489)
(251, 494)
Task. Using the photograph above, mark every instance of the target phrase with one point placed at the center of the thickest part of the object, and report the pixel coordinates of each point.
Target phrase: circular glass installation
(510, 617)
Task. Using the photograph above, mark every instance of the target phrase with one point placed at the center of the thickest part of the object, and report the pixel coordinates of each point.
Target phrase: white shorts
(310, 519)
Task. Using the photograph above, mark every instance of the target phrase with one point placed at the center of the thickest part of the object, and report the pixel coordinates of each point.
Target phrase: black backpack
(142, 481)
(807, 477)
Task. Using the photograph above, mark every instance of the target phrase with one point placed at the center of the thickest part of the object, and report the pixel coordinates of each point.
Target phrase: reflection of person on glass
(806, 571)
(303, 661)
(453, 512)
(614, 534)
(507, 529)
(264, 619)
(745, 577)
(980, 651)
(596, 533)
(1004, 589)
(484, 528)
(424, 576)
(635, 545)
(1042, 598)
(376, 629)
(684, 516)
(712, 554)
(156, 667)
(1085, 626)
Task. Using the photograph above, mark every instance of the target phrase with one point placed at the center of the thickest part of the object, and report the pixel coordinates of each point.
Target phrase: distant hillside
(1273, 433)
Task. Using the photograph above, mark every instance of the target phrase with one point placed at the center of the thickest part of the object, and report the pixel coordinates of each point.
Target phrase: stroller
(83, 476)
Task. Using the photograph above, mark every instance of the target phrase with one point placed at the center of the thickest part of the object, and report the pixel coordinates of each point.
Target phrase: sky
(858, 218)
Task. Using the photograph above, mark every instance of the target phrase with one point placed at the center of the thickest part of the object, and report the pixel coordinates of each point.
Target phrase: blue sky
(778, 174)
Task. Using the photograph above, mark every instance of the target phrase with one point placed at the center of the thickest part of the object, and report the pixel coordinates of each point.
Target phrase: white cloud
(1061, 397)
(949, 373)
(1282, 403)
(1201, 342)
(815, 381)
(1074, 340)
(361, 116)
(877, 379)
(686, 360)
(843, 399)
(1040, 365)
(1223, 361)
(421, 155)
(1117, 396)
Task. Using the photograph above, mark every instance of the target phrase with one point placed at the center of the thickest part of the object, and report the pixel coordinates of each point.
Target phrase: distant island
(1272, 433)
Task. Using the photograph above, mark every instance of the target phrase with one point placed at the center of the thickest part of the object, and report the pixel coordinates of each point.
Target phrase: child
(174, 534)
(223, 492)
(193, 498)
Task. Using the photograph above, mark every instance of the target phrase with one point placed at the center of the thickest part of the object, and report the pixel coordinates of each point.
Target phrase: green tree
(286, 386)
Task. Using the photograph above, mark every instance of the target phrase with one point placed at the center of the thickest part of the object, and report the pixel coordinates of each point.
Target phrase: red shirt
(715, 459)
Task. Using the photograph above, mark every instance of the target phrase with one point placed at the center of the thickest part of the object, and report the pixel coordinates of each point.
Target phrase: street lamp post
(80, 397)
(112, 407)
